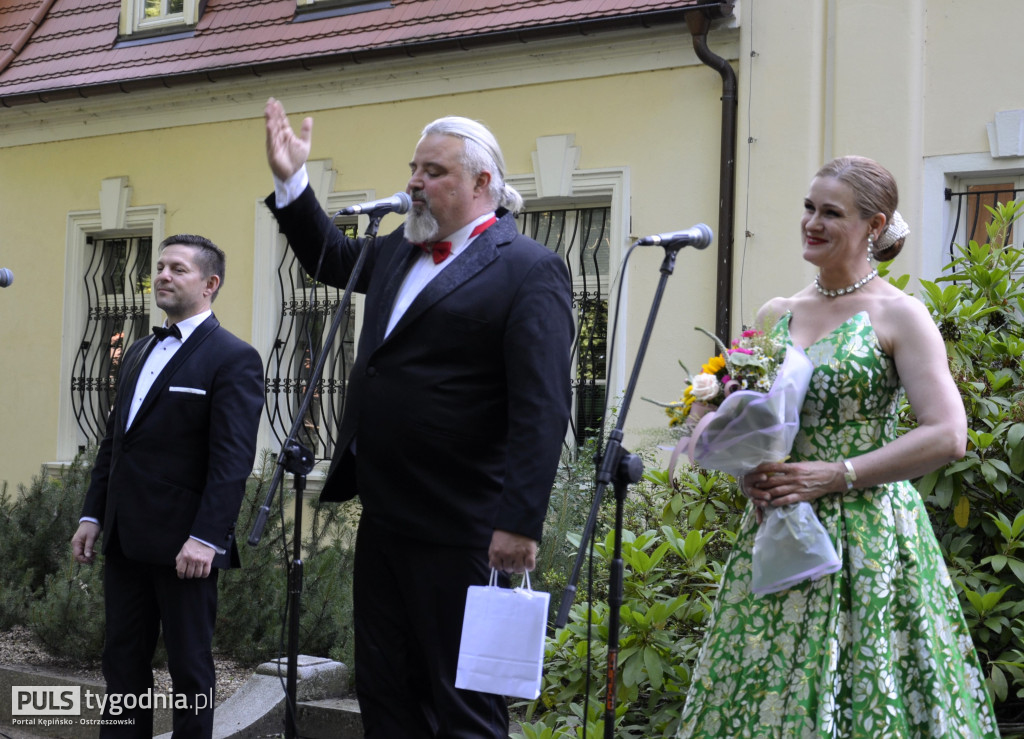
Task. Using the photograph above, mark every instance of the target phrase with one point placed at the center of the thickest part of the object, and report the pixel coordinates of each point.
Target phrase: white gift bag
(502, 648)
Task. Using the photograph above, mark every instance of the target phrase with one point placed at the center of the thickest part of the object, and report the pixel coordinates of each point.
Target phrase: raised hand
(286, 150)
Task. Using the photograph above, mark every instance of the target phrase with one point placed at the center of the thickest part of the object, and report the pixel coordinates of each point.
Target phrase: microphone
(6, 277)
(397, 203)
(698, 237)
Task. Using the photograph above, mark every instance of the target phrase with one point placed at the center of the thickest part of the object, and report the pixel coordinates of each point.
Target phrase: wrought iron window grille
(117, 286)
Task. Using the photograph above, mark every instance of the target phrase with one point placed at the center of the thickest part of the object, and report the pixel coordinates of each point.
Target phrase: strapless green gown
(880, 649)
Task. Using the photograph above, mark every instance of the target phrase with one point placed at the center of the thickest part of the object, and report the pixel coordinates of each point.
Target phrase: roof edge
(575, 28)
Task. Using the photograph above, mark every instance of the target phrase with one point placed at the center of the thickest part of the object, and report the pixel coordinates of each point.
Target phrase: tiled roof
(57, 48)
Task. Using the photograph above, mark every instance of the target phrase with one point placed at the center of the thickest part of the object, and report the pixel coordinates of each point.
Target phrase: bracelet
(850, 476)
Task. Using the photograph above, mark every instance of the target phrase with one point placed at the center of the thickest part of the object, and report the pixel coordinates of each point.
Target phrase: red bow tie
(440, 250)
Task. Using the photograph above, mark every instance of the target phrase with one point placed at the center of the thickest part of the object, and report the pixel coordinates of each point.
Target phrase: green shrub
(252, 620)
(566, 516)
(671, 573)
(326, 621)
(250, 600)
(37, 522)
(68, 618)
(40, 585)
(977, 503)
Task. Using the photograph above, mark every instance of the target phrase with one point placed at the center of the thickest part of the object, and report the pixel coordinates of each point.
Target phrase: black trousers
(409, 599)
(140, 599)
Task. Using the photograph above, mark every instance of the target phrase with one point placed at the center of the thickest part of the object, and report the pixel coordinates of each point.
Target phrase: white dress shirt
(423, 269)
(158, 359)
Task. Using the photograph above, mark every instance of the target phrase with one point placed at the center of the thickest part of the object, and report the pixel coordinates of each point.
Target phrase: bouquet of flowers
(747, 427)
(751, 363)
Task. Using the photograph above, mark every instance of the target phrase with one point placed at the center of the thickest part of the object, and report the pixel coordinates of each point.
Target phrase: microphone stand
(619, 467)
(298, 460)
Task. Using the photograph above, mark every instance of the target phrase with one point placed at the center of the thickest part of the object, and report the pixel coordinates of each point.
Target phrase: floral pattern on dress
(878, 649)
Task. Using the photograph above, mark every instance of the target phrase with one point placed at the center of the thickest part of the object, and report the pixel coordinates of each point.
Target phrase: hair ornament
(896, 231)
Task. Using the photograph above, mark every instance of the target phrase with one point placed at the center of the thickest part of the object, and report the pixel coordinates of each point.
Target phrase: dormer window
(146, 18)
(306, 10)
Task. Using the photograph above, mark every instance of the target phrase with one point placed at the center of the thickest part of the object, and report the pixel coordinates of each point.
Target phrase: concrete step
(329, 718)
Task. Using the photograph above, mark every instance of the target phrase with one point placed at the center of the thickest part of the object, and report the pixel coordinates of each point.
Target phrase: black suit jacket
(180, 470)
(459, 415)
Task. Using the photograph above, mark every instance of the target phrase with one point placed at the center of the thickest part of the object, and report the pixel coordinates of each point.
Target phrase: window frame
(83, 227)
(308, 10)
(134, 23)
(954, 172)
(126, 308)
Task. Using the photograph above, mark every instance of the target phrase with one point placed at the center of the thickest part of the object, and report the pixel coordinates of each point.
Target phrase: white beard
(421, 226)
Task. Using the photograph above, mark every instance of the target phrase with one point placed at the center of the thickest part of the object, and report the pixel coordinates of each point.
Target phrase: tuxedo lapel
(195, 340)
(468, 264)
(396, 272)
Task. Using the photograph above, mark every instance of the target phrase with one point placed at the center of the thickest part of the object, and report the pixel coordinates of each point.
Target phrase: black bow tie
(162, 333)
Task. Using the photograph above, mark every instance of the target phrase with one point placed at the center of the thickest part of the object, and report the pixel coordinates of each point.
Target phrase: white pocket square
(193, 390)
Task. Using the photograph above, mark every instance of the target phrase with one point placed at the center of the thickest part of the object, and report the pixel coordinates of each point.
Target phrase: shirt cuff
(218, 550)
(287, 191)
(90, 519)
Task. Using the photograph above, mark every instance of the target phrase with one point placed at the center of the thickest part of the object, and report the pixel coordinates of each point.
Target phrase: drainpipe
(699, 21)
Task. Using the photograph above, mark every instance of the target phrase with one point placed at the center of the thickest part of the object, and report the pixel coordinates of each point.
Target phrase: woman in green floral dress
(879, 649)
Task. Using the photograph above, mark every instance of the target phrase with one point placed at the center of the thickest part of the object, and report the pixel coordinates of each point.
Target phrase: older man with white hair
(456, 410)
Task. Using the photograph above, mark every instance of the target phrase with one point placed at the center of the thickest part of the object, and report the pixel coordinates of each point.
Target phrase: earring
(871, 246)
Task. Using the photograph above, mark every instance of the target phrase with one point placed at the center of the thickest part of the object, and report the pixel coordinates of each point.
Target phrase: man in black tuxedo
(455, 413)
(166, 488)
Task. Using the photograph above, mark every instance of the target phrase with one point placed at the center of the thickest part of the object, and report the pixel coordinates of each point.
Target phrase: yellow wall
(972, 63)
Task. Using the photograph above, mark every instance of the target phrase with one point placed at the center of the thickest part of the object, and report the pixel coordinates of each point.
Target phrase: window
(307, 312)
(956, 187)
(117, 290)
(969, 209)
(162, 8)
(148, 18)
(314, 9)
(107, 305)
(581, 237)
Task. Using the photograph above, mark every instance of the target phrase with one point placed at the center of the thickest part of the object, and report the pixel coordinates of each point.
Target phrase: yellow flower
(678, 411)
(714, 365)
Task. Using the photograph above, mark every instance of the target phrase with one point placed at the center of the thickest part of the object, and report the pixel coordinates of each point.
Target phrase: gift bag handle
(525, 585)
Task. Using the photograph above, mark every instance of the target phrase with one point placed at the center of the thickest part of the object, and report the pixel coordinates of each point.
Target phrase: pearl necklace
(848, 289)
